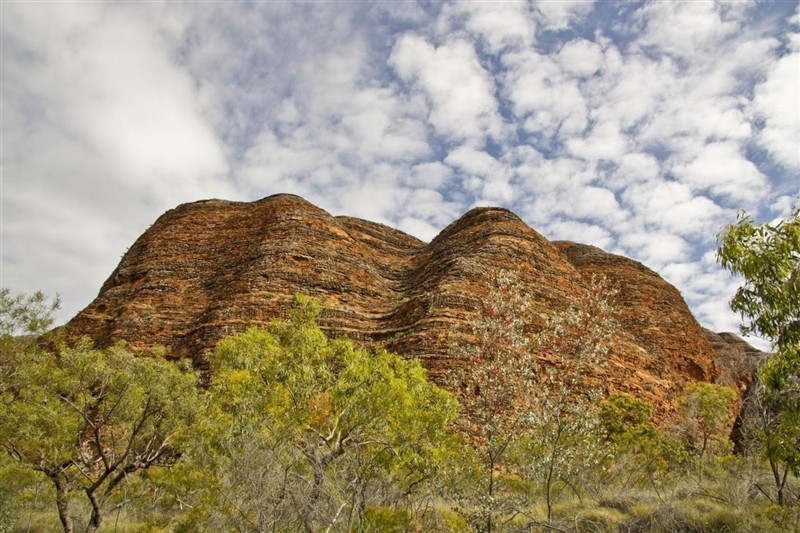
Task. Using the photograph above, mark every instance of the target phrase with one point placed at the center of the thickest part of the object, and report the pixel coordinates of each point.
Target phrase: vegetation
(299, 432)
(88, 419)
(496, 377)
(563, 444)
(767, 256)
(307, 432)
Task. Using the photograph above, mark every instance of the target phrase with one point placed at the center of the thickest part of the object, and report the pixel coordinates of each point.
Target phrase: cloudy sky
(640, 127)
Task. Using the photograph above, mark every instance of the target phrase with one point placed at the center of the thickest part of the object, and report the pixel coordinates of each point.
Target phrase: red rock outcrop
(208, 269)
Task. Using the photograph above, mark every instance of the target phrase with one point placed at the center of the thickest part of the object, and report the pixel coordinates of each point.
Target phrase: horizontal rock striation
(209, 269)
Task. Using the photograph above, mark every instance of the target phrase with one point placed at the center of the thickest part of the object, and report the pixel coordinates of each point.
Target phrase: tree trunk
(491, 496)
(62, 503)
(780, 480)
(96, 518)
(313, 498)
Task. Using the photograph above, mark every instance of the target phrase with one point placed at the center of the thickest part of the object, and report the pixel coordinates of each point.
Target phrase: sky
(638, 127)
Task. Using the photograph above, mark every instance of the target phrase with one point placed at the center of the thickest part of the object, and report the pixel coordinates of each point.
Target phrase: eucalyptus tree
(767, 257)
(310, 432)
(88, 419)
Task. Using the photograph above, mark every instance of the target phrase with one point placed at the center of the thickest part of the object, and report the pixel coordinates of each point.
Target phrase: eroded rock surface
(208, 269)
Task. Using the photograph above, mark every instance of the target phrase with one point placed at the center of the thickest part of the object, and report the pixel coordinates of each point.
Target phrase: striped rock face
(209, 269)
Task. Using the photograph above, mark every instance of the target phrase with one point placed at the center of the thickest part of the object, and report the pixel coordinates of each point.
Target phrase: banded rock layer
(209, 269)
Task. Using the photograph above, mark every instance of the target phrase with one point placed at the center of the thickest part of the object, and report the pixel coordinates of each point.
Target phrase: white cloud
(777, 103)
(684, 28)
(605, 141)
(672, 206)
(471, 161)
(500, 25)
(377, 124)
(107, 89)
(570, 230)
(425, 209)
(581, 58)
(722, 169)
(631, 88)
(542, 96)
(431, 175)
(656, 249)
(461, 92)
(594, 203)
(560, 15)
(634, 167)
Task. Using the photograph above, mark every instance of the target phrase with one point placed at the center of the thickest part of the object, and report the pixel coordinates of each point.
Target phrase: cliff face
(208, 269)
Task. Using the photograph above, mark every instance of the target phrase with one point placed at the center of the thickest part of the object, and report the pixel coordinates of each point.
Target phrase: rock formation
(209, 269)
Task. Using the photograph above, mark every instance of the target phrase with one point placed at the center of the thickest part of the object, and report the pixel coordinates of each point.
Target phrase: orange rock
(209, 269)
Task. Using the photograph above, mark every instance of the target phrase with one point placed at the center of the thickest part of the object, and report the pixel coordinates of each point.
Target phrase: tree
(707, 418)
(23, 318)
(564, 423)
(87, 419)
(771, 431)
(26, 314)
(767, 256)
(495, 375)
(624, 417)
(309, 432)
(642, 453)
(539, 418)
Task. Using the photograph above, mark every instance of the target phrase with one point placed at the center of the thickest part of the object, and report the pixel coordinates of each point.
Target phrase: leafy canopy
(767, 256)
(86, 419)
(326, 418)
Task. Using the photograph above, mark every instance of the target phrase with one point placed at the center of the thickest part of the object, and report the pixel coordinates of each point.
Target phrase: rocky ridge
(212, 268)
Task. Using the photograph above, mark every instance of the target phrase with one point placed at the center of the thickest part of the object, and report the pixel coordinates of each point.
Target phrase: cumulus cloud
(639, 128)
(581, 58)
(777, 104)
(605, 141)
(101, 130)
(722, 169)
(471, 161)
(684, 29)
(544, 99)
(499, 25)
(460, 91)
(560, 15)
(632, 168)
(672, 205)
(572, 230)
(657, 249)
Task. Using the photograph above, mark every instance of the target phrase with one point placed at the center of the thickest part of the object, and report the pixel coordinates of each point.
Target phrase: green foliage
(26, 314)
(642, 454)
(495, 376)
(628, 425)
(768, 257)
(88, 419)
(708, 416)
(625, 417)
(306, 431)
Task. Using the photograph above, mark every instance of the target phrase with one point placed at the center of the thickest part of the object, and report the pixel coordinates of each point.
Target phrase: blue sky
(640, 127)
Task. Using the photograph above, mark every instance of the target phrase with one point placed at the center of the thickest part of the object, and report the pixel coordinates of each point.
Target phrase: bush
(387, 519)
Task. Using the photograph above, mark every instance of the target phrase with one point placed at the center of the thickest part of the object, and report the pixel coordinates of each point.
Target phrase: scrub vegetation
(298, 432)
